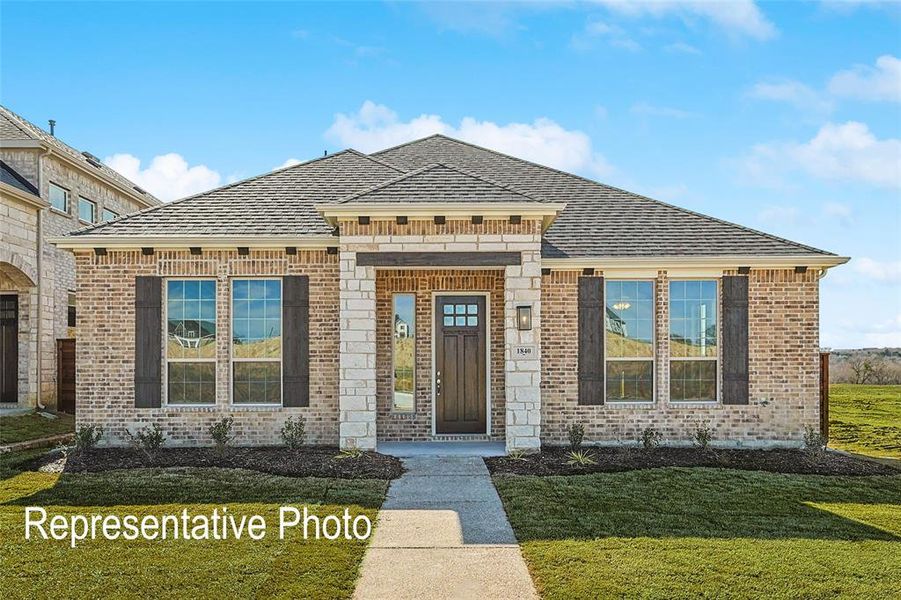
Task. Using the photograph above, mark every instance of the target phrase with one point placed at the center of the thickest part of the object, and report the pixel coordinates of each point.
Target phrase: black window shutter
(735, 340)
(296, 340)
(591, 340)
(148, 342)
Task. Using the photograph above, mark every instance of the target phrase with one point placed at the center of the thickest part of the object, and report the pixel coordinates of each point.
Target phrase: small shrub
(580, 458)
(352, 453)
(576, 434)
(148, 439)
(650, 438)
(703, 435)
(293, 432)
(87, 436)
(516, 454)
(221, 432)
(814, 441)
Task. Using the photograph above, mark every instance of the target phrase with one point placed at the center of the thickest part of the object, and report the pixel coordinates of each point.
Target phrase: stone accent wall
(784, 369)
(105, 361)
(393, 426)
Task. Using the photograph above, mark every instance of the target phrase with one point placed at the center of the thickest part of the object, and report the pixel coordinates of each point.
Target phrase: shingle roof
(10, 176)
(277, 203)
(438, 183)
(599, 220)
(15, 127)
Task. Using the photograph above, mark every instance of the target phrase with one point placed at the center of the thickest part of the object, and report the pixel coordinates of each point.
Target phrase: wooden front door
(9, 348)
(460, 377)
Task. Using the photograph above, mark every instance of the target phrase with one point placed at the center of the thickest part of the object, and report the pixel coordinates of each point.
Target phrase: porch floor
(408, 449)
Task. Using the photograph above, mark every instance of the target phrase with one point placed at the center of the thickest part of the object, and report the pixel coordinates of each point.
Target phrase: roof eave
(816, 261)
(207, 242)
(23, 196)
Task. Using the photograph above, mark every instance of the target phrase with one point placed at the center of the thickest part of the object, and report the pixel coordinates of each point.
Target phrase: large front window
(629, 341)
(257, 341)
(191, 341)
(403, 360)
(693, 341)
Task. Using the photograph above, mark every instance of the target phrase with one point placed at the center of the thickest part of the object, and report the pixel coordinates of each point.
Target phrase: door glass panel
(472, 321)
(448, 309)
(472, 309)
(448, 321)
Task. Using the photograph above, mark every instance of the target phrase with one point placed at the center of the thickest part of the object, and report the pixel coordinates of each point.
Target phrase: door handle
(438, 383)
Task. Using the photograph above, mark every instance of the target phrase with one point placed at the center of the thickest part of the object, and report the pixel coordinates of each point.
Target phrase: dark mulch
(309, 461)
(552, 461)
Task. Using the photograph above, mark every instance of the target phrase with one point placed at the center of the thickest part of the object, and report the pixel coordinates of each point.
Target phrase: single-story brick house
(534, 299)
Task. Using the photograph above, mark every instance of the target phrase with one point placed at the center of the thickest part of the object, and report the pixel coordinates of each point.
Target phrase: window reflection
(404, 351)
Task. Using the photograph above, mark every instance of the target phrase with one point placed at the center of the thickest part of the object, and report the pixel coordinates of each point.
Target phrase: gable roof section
(439, 183)
(600, 220)
(15, 127)
(11, 177)
(279, 203)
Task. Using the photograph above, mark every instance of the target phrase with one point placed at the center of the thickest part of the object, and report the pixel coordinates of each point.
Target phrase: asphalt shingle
(10, 176)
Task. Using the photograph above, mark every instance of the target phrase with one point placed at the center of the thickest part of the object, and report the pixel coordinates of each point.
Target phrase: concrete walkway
(443, 533)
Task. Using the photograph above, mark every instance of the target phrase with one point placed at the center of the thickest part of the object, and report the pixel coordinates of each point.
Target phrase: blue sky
(781, 116)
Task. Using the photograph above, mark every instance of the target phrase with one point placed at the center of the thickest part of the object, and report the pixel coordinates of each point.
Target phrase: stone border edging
(45, 442)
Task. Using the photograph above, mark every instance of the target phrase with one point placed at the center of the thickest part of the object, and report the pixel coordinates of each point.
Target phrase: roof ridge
(199, 194)
(384, 163)
(598, 183)
(384, 184)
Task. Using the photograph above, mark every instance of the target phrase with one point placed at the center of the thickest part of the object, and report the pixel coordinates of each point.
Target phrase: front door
(460, 377)
(9, 348)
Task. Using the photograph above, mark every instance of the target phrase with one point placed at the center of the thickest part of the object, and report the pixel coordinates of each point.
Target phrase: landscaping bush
(87, 436)
(148, 439)
(576, 434)
(650, 438)
(580, 458)
(293, 432)
(814, 441)
(221, 432)
(703, 435)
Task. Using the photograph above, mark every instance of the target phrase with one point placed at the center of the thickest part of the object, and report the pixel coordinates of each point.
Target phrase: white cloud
(738, 17)
(681, 48)
(648, 110)
(779, 215)
(882, 82)
(839, 152)
(613, 34)
(288, 163)
(375, 126)
(168, 176)
(792, 92)
(882, 271)
(865, 333)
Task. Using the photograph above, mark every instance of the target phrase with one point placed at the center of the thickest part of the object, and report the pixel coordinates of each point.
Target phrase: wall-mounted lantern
(524, 318)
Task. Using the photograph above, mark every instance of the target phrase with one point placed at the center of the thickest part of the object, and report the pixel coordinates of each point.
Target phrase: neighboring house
(514, 268)
(401, 328)
(47, 189)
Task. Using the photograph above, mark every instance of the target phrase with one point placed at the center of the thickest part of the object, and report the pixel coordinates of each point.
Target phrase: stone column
(522, 353)
(356, 400)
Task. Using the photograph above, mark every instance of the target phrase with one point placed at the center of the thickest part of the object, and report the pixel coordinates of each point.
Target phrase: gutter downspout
(40, 268)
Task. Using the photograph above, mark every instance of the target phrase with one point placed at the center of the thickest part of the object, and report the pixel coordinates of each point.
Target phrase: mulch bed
(309, 461)
(552, 461)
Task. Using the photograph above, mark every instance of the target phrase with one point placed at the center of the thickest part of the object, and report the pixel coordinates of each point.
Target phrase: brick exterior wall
(105, 363)
(418, 425)
(783, 317)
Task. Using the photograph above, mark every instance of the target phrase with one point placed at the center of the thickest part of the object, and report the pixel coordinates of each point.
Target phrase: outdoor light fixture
(524, 318)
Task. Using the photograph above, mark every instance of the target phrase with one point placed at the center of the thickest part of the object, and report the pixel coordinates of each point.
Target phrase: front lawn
(693, 532)
(865, 419)
(32, 426)
(179, 568)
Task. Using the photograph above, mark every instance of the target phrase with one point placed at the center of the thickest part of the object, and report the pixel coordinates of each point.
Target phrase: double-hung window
(404, 353)
(257, 341)
(59, 198)
(629, 341)
(109, 215)
(87, 210)
(693, 341)
(191, 341)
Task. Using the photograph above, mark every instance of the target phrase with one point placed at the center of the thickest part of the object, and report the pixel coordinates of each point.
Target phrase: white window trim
(93, 210)
(66, 192)
(393, 339)
(652, 359)
(719, 342)
(167, 360)
(231, 346)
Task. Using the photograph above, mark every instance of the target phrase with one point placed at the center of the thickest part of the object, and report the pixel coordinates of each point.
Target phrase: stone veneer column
(522, 287)
(356, 400)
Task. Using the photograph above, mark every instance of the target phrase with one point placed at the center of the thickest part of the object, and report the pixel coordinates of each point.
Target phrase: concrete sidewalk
(443, 533)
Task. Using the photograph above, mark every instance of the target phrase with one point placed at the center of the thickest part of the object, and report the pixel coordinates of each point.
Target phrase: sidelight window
(191, 341)
(629, 341)
(257, 341)
(693, 341)
(404, 353)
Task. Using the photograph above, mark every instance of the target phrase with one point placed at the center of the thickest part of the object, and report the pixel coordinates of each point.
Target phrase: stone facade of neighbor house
(33, 161)
(536, 300)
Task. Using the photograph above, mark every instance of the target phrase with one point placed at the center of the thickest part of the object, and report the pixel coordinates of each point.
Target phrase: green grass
(865, 419)
(176, 568)
(33, 426)
(687, 533)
